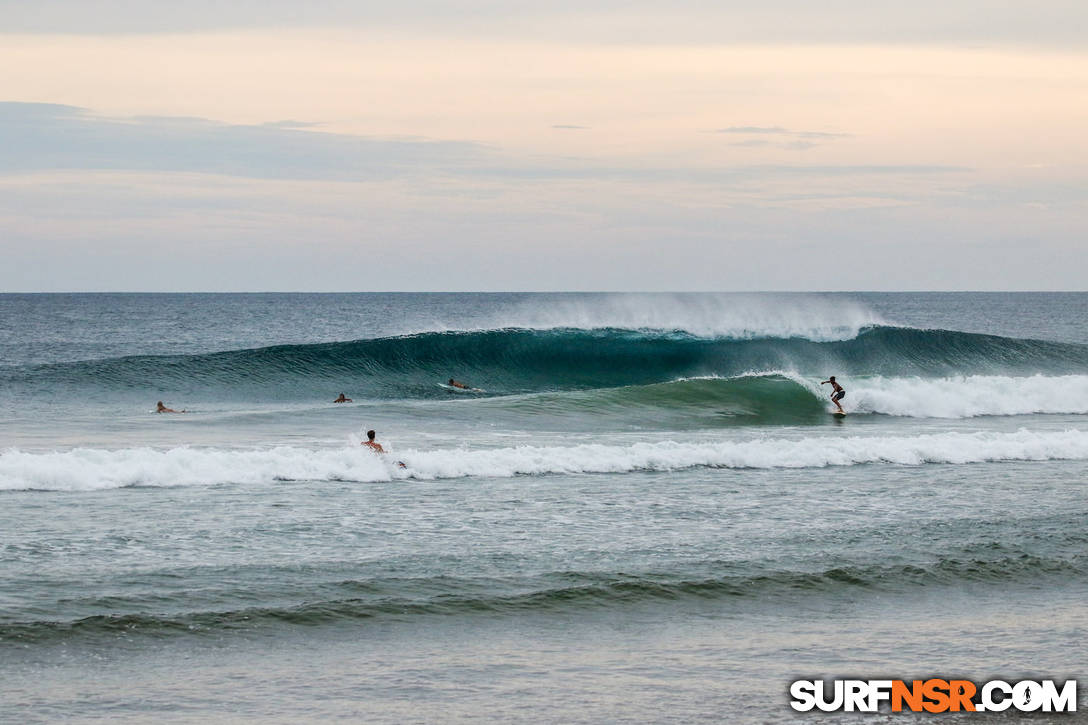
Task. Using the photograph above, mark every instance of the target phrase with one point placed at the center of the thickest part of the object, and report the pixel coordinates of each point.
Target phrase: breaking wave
(518, 361)
(89, 469)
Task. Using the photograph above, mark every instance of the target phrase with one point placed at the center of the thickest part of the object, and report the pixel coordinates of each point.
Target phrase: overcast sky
(637, 145)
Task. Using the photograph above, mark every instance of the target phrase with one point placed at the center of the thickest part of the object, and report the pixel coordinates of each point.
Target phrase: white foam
(816, 452)
(968, 396)
(88, 469)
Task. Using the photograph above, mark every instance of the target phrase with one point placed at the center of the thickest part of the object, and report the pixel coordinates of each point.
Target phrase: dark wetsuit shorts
(839, 395)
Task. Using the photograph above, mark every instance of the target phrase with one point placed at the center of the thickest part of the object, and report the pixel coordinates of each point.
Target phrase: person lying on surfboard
(837, 393)
(160, 408)
(454, 384)
(342, 399)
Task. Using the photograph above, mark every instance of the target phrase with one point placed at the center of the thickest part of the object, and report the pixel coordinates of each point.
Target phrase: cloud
(780, 131)
(12, 112)
(290, 124)
(822, 135)
(47, 136)
(716, 177)
(1045, 23)
(798, 140)
(44, 137)
(753, 129)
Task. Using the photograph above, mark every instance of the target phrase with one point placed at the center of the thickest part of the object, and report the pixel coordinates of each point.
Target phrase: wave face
(90, 469)
(773, 397)
(525, 361)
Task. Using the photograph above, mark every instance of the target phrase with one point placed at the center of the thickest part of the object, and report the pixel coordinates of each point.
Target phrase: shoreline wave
(559, 591)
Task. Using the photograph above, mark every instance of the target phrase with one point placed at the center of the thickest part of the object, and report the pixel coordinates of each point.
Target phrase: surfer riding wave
(837, 394)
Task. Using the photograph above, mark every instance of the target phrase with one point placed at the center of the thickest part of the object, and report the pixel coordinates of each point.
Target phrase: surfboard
(455, 389)
(838, 414)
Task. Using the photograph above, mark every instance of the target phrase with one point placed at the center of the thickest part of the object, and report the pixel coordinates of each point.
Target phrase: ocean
(640, 510)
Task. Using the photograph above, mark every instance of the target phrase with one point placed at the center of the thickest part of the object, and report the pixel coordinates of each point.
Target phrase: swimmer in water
(160, 408)
(837, 392)
(371, 443)
(377, 447)
(342, 399)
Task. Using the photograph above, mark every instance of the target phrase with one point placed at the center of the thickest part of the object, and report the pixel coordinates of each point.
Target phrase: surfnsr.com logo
(933, 695)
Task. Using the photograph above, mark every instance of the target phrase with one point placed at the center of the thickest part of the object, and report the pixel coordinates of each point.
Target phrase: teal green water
(645, 514)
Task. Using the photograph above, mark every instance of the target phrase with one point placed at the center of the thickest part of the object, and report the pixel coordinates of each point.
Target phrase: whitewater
(87, 469)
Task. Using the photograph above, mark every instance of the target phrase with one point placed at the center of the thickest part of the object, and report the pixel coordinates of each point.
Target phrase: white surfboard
(455, 389)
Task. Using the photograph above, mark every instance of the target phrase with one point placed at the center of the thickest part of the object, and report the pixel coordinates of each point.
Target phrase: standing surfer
(837, 393)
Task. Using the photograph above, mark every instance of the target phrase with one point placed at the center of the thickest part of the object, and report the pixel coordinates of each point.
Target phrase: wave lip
(92, 469)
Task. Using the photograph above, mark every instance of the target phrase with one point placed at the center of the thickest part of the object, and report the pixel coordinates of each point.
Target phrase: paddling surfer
(454, 384)
(837, 393)
(160, 408)
(342, 399)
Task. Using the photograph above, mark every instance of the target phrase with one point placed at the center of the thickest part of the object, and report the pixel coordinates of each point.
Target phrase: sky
(338, 145)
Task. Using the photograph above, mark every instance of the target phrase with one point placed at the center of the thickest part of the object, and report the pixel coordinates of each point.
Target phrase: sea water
(644, 512)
